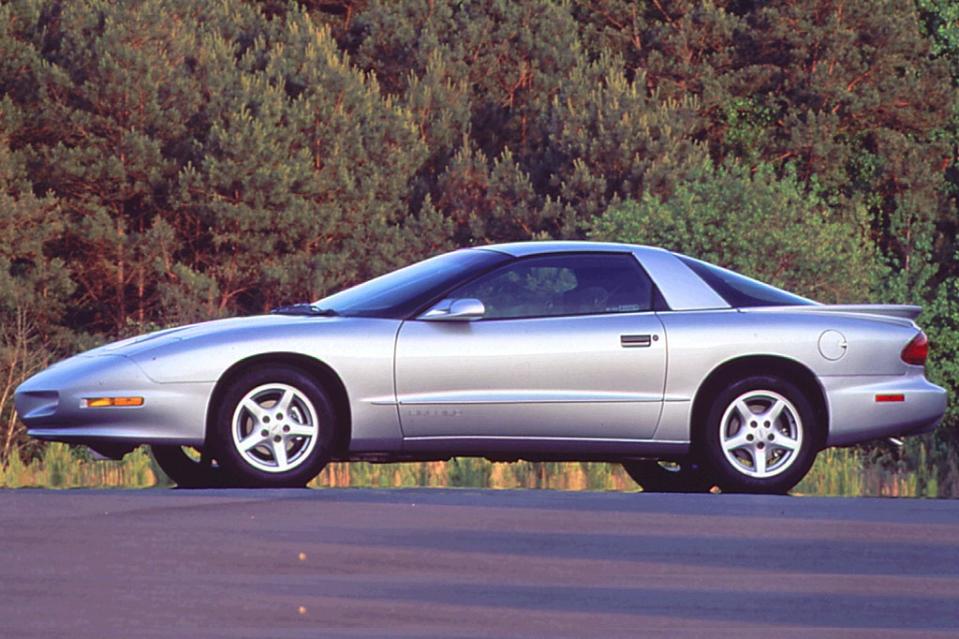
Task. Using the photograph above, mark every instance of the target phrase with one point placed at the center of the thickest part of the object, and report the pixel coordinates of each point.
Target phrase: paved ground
(464, 563)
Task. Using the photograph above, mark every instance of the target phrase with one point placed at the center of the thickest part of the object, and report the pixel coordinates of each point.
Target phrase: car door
(568, 346)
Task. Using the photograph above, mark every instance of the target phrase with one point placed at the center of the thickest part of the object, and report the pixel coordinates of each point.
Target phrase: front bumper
(49, 403)
(855, 416)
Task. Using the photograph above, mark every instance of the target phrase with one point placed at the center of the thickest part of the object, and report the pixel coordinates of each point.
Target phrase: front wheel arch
(318, 370)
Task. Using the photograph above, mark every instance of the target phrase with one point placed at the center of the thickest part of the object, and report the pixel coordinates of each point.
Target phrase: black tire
(796, 424)
(187, 471)
(674, 477)
(309, 457)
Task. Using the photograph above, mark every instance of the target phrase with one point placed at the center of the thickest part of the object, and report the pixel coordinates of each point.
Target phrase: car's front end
(108, 402)
(126, 393)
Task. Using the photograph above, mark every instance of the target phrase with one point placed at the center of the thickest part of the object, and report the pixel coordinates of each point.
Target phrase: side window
(563, 284)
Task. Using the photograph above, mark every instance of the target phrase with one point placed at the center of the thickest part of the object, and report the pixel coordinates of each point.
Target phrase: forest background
(171, 161)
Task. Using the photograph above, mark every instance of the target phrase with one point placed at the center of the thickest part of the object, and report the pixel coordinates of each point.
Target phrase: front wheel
(274, 427)
(761, 435)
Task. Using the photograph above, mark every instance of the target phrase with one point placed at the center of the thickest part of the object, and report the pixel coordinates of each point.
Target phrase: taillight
(917, 350)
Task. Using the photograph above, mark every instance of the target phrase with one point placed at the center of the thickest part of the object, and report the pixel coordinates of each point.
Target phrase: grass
(837, 472)
(64, 467)
(469, 472)
(853, 471)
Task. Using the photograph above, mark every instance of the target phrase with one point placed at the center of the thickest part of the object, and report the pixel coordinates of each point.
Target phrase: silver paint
(567, 387)
(832, 345)
(540, 377)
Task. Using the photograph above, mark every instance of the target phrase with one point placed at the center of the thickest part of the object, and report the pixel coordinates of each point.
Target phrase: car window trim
(656, 296)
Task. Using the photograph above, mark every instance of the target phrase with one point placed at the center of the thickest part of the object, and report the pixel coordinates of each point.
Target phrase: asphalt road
(467, 563)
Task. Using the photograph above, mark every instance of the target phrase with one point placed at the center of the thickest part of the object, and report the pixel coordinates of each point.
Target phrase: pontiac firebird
(690, 375)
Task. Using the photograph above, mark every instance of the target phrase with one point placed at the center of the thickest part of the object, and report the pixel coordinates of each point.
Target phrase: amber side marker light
(105, 402)
(891, 397)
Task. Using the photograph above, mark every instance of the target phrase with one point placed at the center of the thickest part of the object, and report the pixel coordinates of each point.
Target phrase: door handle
(637, 341)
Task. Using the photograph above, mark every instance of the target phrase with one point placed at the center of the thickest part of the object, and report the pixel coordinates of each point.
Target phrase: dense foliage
(165, 161)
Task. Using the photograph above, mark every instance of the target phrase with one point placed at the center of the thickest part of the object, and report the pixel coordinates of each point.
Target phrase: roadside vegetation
(837, 472)
(168, 161)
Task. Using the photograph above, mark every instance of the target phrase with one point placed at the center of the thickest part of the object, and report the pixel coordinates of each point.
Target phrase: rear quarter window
(740, 291)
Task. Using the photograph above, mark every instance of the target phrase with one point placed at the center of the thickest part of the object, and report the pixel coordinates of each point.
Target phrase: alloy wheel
(761, 433)
(275, 427)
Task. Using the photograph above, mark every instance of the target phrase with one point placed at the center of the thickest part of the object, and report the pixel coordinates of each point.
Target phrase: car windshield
(402, 292)
(740, 291)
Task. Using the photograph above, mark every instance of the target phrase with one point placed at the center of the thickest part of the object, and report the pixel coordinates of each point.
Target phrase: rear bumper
(855, 416)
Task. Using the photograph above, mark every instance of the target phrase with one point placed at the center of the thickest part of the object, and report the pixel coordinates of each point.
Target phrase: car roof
(682, 288)
(523, 249)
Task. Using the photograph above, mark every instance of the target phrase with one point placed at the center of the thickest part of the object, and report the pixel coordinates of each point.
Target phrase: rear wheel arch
(325, 376)
(733, 370)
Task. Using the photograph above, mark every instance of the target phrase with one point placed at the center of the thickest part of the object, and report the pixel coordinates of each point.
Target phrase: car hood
(148, 341)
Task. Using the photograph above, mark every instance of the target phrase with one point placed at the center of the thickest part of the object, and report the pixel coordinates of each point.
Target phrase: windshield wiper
(304, 309)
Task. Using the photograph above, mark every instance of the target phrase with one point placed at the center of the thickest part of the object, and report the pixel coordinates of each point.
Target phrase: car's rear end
(872, 370)
(870, 358)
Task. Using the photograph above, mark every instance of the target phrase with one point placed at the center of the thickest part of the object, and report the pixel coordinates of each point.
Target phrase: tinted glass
(562, 285)
(740, 291)
(402, 292)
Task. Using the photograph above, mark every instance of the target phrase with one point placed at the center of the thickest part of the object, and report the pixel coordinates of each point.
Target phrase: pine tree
(488, 201)
(303, 179)
(34, 283)
(610, 138)
(514, 56)
(111, 105)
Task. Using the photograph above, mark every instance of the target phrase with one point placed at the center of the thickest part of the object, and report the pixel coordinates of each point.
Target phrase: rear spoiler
(904, 311)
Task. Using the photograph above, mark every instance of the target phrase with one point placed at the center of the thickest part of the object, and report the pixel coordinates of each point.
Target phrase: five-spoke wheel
(760, 435)
(274, 427)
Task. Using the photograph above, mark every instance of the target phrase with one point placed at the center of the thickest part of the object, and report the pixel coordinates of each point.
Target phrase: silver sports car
(689, 374)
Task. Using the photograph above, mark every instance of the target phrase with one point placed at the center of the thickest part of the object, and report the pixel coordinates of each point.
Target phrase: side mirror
(462, 310)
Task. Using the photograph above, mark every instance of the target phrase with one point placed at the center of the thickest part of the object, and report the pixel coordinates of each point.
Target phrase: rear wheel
(669, 477)
(188, 467)
(761, 435)
(274, 427)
